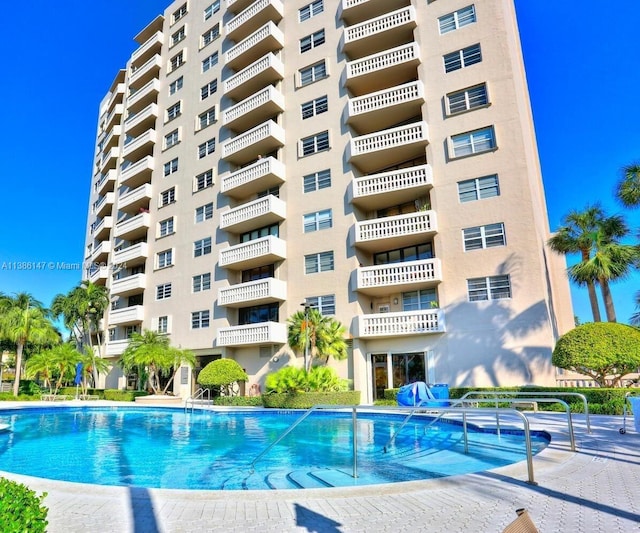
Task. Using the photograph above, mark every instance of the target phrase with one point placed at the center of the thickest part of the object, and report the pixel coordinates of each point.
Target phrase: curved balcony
(135, 174)
(259, 176)
(143, 97)
(248, 146)
(126, 315)
(265, 71)
(129, 285)
(379, 280)
(354, 11)
(131, 255)
(262, 291)
(133, 227)
(145, 73)
(255, 214)
(252, 334)
(268, 38)
(380, 325)
(376, 191)
(145, 51)
(106, 182)
(140, 146)
(132, 201)
(397, 231)
(142, 121)
(254, 16)
(253, 110)
(101, 229)
(254, 253)
(382, 70)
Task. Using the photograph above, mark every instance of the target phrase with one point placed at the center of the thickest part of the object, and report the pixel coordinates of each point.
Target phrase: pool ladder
(201, 396)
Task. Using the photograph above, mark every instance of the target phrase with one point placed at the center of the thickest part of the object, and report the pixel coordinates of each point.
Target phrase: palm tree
(628, 186)
(58, 362)
(322, 336)
(22, 321)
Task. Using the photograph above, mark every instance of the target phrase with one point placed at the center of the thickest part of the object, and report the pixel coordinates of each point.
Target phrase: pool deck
(595, 489)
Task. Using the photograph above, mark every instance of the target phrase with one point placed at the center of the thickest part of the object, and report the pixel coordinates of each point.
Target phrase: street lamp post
(306, 334)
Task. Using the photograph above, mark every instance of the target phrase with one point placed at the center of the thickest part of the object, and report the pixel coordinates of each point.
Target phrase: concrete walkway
(595, 489)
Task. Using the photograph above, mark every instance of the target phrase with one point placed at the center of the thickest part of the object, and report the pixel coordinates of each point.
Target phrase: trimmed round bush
(222, 374)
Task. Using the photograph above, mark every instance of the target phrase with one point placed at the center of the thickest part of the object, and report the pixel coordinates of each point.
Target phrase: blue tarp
(419, 393)
(78, 379)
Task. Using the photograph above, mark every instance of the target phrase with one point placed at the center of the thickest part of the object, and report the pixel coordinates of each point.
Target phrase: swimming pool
(213, 450)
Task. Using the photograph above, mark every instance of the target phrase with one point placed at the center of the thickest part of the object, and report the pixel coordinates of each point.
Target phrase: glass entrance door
(407, 368)
(380, 375)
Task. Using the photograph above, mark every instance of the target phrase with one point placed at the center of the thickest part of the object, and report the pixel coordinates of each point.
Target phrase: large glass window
(314, 107)
(467, 99)
(200, 319)
(325, 304)
(313, 73)
(261, 272)
(204, 212)
(317, 180)
(315, 143)
(259, 233)
(258, 314)
(202, 247)
(320, 262)
(419, 300)
(202, 282)
(317, 221)
(210, 10)
(311, 41)
(401, 255)
(310, 10)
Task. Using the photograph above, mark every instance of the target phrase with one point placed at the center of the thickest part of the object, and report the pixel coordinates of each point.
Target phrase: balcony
(152, 46)
(265, 71)
(268, 38)
(101, 228)
(395, 232)
(106, 182)
(100, 252)
(132, 201)
(254, 253)
(379, 280)
(253, 110)
(116, 95)
(354, 11)
(383, 70)
(376, 191)
(112, 138)
(142, 121)
(135, 174)
(113, 117)
(104, 205)
(99, 275)
(248, 146)
(116, 348)
(126, 315)
(133, 227)
(145, 73)
(129, 285)
(252, 334)
(108, 160)
(255, 214)
(140, 146)
(132, 255)
(380, 33)
(384, 148)
(262, 291)
(382, 109)
(236, 6)
(405, 323)
(249, 20)
(143, 97)
(259, 176)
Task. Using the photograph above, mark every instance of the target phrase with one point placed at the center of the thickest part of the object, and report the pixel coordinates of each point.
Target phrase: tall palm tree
(628, 186)
(23, 320)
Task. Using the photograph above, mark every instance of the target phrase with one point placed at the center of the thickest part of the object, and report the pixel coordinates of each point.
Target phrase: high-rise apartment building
(374, 159)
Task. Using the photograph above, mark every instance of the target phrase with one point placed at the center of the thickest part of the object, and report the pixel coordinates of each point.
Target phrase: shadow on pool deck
(313, 521)
(143, 513)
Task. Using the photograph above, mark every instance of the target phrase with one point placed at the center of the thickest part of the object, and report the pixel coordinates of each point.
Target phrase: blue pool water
(206, 450)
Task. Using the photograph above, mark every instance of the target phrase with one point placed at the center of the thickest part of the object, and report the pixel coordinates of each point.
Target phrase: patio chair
(522, 524)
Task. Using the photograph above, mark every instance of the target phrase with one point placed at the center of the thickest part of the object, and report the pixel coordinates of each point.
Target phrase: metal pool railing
(464, 411)
(201, 396)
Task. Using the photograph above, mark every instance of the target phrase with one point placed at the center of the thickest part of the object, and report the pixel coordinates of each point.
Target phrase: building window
(163, 291)
(211, 10)
(204, 180)
(462, 58)
(320, 262)
(202, 247)
(317, 221)
(314, 107)
(177, 15)
(315, 143)
(317, 180)
(325, 304)
(171, 167)
(489, 288)
(202, 282)
(272, 191)
(473, 142)
(163, 324)
(258, 314)
(467, 99)
(204, 212)
(178, 36)
(478, 188)
(419, 300)
(208, 89)
(171, 139)
(168, 197)
(206, 148)
(129, 331)
(176, 85)
(313, 73)
(311, 41)
(480, 237)
(164, 258)
(207, 118)
(173, 111)
(265, 231)
(261, 272)
(457, 19)
(165, 227)
(200, 319)
(210, 62)
(402, 255)
(176, 61)
(310, 10)
(210, 35)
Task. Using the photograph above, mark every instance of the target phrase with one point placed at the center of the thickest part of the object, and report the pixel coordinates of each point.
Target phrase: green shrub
(239, 401)
(221, 375)
(9, 397)
(29, 387)
(20, 509)
(71, 391)
(306, 400)
(293, 379)
(123, 395)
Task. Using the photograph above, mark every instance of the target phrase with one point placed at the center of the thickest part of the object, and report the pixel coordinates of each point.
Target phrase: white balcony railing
(152, 87)
(262, 98)
(398, 324)
(103, 248)
(401, 94)
(134, 169)
(268, 33)
(98, 273)
(106, 179)
(245, 16)
(377, 25)
(420, 222)
(266, 130)
(136, 251)
(269, 207)
(417, 132)
(105, 223)
(107, 199)
(261, 333)
(390, 182)
(264, 64)
(151, 111)
(129, 284)
(392, 275)
(156, 39)
(126, 315)
(264, 248)
(115, 348)
(148, 137)
(257, 292)
(132, 224)
(154, 63)
(253, 174)
(382, 60)
(140, 194)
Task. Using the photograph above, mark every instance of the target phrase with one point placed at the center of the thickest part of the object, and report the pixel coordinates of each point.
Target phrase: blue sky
(581, 67)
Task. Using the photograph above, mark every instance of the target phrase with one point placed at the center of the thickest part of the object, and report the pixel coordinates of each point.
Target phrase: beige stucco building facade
(375, 159)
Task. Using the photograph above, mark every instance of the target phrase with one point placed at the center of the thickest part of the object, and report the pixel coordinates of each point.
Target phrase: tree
(56, 365)
(222, 374)
(151, 353)
(605, 352)
(322, 336)
(23, 320)
(628, 186)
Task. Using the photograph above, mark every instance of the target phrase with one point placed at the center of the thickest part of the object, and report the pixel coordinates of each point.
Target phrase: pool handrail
(199, 395)
(463, 410)
(534, 394)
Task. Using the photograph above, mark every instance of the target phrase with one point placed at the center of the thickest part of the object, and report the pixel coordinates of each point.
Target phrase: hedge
(123, 395)
(306, 400)
(20, 509)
